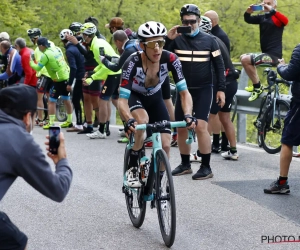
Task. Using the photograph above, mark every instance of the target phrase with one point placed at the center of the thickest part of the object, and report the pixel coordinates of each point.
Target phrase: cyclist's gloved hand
(191, 122)
(88, 81)
(102, 58)
(129, 125)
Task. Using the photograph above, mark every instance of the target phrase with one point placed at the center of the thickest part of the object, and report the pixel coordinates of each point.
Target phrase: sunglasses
(152, 44)
(187, 22)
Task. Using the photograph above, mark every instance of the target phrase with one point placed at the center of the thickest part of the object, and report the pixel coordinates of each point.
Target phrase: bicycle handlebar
(157, 126)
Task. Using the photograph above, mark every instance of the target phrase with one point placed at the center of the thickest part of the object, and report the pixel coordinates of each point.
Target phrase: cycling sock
(282, 180)
(232, 150)
(107, 126)
(69, 118)
(51, 119)
(185, 159)
(257, 86)
(198, 153)
(206, 159)
(224, 140)
(101, 127)
(216, 140)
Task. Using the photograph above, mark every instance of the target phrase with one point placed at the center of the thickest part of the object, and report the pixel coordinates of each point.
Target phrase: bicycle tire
(137, 220)
(61, 113)
(45, 102)
(168, 236)
(281, 109)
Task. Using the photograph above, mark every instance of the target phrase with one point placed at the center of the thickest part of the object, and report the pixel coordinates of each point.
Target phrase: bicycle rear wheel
(271, 133)
(165, 199)
(136, 206)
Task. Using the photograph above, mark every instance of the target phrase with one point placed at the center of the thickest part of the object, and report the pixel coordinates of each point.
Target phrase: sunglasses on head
(187, 22)
(152, 44)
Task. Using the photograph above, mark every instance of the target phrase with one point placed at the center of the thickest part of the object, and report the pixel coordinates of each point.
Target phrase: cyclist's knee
(245, 59)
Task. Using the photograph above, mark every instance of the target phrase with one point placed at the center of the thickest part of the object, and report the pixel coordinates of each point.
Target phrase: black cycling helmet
(75, 27)
(188, 9)
(34, 32)
(91, 20)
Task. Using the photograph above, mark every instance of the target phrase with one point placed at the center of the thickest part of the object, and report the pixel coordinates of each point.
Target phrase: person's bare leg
(286, 155)
(40, 104)
(249, 68)
(228, 127)
(203, 137)
(88, 107)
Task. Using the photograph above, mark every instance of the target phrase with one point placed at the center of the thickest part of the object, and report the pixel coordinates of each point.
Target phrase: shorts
(231, 89)
(44, 84)
(93, 89)
(202, 99)
(263, 58)
(290, 134)
(15, 78)
(154, 106)
(10, 236)
(110, 87)
(59, 89)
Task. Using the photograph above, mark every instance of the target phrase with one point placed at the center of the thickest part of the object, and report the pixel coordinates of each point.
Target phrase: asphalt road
(229, 211)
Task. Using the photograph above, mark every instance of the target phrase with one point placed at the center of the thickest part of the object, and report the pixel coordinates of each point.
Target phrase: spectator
(117, 23)
(95, 21)
(4, 36)
(25, 53)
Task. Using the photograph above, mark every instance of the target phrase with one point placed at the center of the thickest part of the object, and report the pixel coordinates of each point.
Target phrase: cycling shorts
(44, 84)
(231, 89)
(10, 236)
(93, 89)
(202, 99)
(59, 89)
(290, 134)
(263, 58)
(154, 106)
(110, 87)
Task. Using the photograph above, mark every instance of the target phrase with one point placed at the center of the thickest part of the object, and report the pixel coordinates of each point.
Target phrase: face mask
(194, 33)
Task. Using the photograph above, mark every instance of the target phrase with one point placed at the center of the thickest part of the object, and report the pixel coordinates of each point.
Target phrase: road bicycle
(272, 112)
(157, 183)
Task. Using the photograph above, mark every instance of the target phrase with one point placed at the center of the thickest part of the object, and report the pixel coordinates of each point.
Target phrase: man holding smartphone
(199, 53)
(271, 25)
(21, 156)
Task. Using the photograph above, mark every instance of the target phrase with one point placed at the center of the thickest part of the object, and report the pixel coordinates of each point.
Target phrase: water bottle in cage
(144, 164)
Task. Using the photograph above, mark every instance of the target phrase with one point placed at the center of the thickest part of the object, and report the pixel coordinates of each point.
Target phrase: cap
(43, 41)
(4, 36)
(116, 22)
(22, 97)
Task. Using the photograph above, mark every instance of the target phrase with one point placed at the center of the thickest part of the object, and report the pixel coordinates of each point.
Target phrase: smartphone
(257, 7)
(54, 139)
(101, 51)
(184, 29)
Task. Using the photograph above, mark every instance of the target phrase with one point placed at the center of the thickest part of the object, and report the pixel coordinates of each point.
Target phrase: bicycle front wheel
(136, 206)
(165, 198)
(272, 126)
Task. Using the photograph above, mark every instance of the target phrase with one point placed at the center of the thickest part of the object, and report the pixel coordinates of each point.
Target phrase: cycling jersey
(101, 72)
(271, 27)
(133, 76)
(37, 55)
(53, 60)
(197, 54)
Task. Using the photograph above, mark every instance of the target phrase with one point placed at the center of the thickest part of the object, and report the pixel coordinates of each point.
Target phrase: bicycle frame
(157, 145)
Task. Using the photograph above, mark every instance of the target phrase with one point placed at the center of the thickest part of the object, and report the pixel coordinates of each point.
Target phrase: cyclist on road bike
(53, 60)
(141, 98)
(271, 25)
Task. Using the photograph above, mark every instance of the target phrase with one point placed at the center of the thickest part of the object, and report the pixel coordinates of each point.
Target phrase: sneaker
(132, 176)
(76, 128)
(182, 169)
(96, 135)
(174, 141)
(87, 130)
(225, 149)
(122, 132)
(275, 188)
(249, 88)
(107, 133)
(195, 158)
(45, 122)
(255, 94)
(148, 144)
(66, 124)
(85, 125)
(230, 156)
(215, 149)
(47, 126)
(203, 173)
(123, 140)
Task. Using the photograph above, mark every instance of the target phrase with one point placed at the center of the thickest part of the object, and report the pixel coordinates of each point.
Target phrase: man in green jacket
(58, 70)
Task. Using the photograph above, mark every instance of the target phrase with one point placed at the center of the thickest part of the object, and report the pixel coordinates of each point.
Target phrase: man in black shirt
(271, 25)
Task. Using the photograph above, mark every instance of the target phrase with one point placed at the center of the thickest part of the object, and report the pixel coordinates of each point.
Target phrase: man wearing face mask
(21, 156)
(199, 53)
